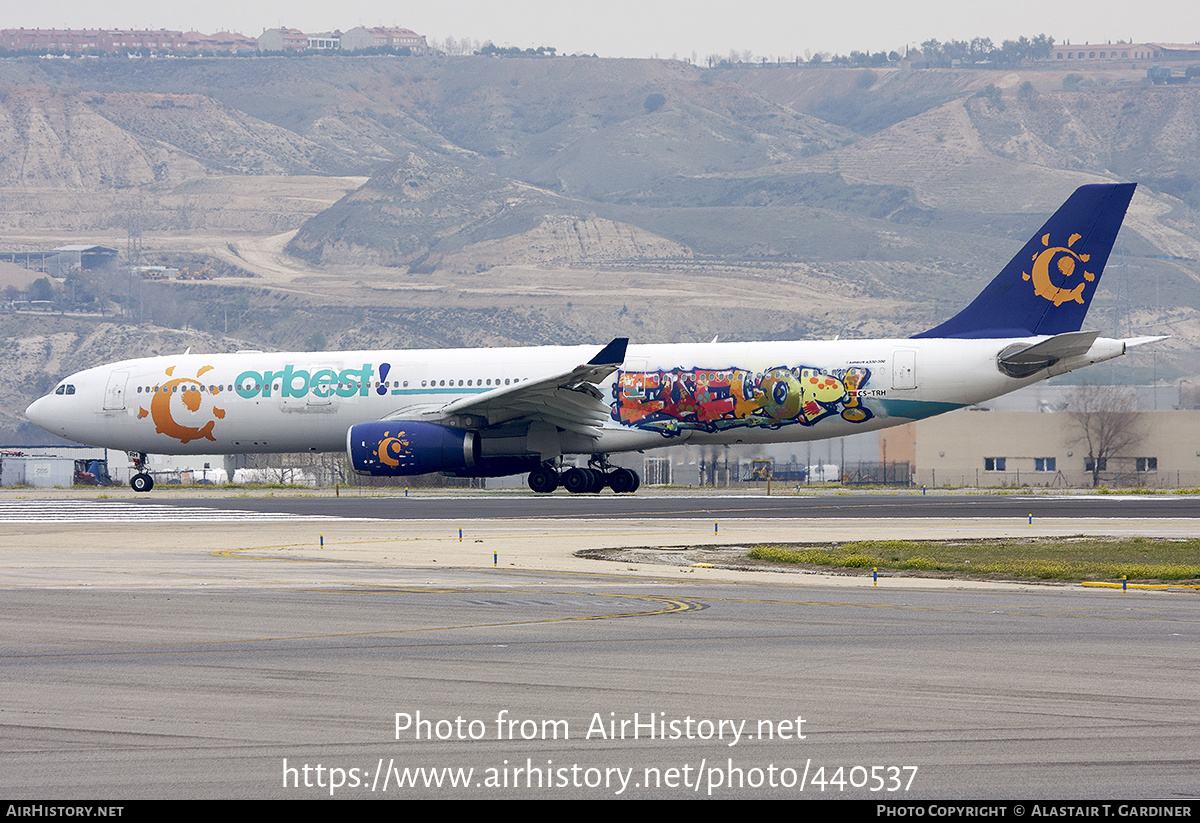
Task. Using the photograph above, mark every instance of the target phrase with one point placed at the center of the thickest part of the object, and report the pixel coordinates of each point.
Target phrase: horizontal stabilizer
(1021, 360)
(1061, 345)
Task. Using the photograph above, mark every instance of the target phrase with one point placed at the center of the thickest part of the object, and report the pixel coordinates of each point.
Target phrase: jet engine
(398, 448)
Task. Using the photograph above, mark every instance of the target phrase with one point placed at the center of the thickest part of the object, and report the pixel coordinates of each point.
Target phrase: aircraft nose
(39, 414)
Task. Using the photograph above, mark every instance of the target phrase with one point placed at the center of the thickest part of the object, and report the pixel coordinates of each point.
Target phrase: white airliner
(494, 412)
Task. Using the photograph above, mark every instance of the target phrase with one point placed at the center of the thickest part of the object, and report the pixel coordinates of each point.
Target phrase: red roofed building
(384, 37)
(1105, 52)
(120, 41)
(282, 40)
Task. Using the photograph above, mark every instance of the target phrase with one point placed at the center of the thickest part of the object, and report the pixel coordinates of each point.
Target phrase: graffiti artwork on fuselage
(713, 400)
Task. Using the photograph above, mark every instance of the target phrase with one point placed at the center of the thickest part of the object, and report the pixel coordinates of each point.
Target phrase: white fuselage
(718, 393)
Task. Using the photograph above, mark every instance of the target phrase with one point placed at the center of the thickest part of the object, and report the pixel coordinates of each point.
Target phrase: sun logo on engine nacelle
(391, 449)
(1044, 286)
(191, 395)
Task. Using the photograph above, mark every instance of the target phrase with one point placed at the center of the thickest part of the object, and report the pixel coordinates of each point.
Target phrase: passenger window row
(489, 382)
(216, 389)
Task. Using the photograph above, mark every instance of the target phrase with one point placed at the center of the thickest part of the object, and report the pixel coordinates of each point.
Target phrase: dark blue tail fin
(1047, 287)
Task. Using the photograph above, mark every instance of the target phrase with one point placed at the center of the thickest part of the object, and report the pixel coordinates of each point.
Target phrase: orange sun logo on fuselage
(1043, 286)
(190, 393)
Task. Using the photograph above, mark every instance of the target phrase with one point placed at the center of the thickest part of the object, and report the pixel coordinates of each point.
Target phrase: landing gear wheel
(543, 480)
(141, 482)
(578, 481)
(623, 481)
(599, 481)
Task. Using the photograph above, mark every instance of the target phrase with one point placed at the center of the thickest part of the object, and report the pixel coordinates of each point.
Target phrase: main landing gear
(545, 478)
(142, 481)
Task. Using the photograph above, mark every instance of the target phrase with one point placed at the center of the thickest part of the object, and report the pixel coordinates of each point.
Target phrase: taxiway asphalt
(220, 653)
(699, 505)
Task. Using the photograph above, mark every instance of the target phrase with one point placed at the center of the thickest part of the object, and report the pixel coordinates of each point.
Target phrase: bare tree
(1107, 423)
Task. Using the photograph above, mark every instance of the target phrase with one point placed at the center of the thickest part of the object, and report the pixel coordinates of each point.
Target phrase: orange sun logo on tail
(1043, 286)
(190, 394)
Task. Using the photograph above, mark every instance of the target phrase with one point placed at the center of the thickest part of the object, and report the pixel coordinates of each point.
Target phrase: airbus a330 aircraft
(494, 412)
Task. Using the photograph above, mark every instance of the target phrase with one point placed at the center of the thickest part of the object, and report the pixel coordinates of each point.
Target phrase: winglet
(1048, 286)
(560, 398)
(611, 355)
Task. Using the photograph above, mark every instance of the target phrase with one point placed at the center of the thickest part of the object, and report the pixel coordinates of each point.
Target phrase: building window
(1044, 464)
(1095, 465)
(1147, 464)
(994, 464)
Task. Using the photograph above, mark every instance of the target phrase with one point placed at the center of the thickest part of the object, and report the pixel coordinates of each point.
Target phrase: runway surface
(683, 506)
(234, 657)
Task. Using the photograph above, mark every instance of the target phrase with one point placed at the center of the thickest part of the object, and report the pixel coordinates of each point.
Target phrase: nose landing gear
(142, 481)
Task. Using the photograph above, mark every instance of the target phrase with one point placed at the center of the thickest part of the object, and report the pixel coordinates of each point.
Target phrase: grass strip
(1061, 558)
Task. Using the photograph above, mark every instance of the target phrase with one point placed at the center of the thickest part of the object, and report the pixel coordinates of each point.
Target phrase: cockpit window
(65, 388)
(60, 390)
(70, 389)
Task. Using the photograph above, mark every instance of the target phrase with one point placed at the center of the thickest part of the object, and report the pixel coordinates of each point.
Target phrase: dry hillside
(409, 201)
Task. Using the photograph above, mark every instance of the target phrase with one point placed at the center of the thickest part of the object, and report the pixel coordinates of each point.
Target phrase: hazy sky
(663, 28)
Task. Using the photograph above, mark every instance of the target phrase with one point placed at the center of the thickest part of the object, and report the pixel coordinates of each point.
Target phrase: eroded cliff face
(472, 201)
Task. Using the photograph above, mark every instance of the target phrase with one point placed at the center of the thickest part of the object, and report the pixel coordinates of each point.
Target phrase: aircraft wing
(568, 400)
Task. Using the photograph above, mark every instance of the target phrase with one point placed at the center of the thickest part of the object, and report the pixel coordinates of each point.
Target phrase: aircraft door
(321, 390)
(634, 389)
(904, 369)
(114, 392)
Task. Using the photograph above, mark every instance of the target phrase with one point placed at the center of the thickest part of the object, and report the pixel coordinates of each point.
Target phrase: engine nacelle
(502, 466)
(398, 448)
